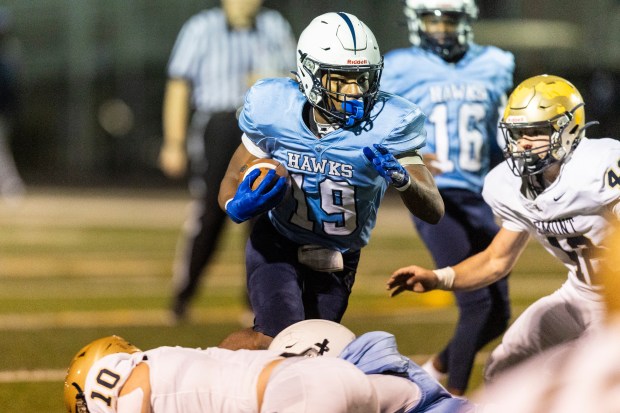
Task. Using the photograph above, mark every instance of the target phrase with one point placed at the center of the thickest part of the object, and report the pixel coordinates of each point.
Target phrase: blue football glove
(248, 203)
(388, 166)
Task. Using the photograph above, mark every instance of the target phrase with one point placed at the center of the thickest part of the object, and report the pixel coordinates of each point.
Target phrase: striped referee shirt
(217, 59)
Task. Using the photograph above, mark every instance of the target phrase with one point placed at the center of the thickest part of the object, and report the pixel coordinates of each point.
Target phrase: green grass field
(78, 265)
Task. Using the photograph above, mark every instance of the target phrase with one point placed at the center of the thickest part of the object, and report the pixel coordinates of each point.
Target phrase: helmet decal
(323, 347)
(313, 338)
(350, 24)
(516, 119)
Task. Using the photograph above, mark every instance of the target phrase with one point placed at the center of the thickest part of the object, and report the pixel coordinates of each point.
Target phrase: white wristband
(404, 187)
(445, 278)
(226, 204)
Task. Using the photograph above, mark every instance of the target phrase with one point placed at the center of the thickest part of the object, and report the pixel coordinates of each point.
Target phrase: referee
(218, 55)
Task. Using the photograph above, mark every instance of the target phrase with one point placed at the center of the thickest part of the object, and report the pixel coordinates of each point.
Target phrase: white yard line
(31, 376)
(113, 318)
(85, 319)
(124, 318)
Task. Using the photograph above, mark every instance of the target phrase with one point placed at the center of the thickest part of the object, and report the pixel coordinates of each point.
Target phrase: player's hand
(387, 165)
(173, 160)
(412, 278)
(248, 203)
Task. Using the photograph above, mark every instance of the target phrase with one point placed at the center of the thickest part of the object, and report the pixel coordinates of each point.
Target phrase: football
(265, 165)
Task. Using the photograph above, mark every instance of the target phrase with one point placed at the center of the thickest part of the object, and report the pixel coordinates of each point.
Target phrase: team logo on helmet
(313, 338)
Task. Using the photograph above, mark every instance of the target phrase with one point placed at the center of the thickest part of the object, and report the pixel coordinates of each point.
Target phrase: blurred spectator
(11, 184)
(218, 54)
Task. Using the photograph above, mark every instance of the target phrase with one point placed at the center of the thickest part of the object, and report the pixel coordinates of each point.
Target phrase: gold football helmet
(542, 105)
(81, 364)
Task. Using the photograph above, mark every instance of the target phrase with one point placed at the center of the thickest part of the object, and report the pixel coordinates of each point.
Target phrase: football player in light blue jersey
(461, 87)
(343, 143)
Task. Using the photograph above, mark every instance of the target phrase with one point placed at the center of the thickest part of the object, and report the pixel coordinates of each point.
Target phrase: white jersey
(572, 217)
(183, 380)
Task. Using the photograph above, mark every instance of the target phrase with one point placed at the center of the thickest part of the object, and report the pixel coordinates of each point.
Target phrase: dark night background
(86, 63)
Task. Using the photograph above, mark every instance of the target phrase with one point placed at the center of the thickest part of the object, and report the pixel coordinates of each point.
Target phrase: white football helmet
(542, 105)
(452, 47)
(338, 42)
(312, 338)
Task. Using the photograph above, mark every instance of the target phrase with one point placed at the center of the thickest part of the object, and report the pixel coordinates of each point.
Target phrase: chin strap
(80, 400)
(324, 128)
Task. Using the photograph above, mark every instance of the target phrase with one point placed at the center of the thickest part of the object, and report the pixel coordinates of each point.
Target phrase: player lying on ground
(111, 375)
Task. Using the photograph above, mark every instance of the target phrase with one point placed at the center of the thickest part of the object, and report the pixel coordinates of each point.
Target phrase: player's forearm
(228, 187)
(230, 182)
(176, 112)
(479, 271)
(422, 198)
(495, 262)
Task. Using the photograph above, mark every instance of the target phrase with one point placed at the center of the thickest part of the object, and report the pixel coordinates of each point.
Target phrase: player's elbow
(438, 212)
(434, 212)
(226, 193)
(222, 202)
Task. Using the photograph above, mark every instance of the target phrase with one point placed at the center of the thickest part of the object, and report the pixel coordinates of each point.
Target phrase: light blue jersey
(376, 352)
(462, 101)
(336, 192)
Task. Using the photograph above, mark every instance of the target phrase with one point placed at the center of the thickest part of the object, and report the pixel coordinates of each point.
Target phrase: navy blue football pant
(282, 291)
(467, 228)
